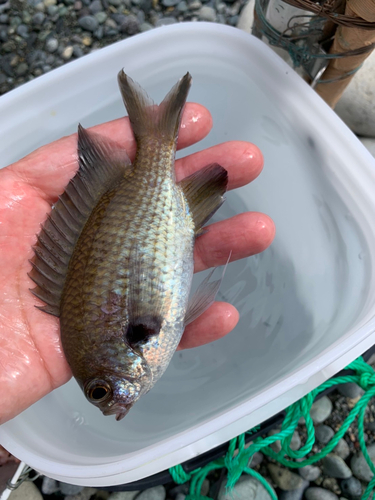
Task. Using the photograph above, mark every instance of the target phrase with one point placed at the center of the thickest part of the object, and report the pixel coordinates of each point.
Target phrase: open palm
(32, 362)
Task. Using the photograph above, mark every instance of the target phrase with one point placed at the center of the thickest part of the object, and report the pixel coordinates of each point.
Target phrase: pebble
(95, 7)
(342, 449)
(334, 466)
(293, 494)
(123, 495)
(85, 494)
(315, 493)
(324, 433)
(207, 13)
(130, 25)
(87, 41)
(321, 410)
(182, 6)
(246, 488)
(145, 27)
(23, 30)
(26, 490)
(284, 478)
(51, 44)
(169, 3)
(165, 21)
(359, 465)
(256, 459)
(310, 472)
(295, 442)
(350, 390)
(88, 23)
(67, 52)
(155, 493)
(49, 486)
(38, 18)
(369, 143)
(351, 488)
(77, 51)
(331, 484)
(180, 496)
(21, 69)
(101, 17)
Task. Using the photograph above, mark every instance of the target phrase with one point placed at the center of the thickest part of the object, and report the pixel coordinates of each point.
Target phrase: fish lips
(118, 409)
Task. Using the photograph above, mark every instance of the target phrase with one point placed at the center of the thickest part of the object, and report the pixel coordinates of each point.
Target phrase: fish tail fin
(148, 119)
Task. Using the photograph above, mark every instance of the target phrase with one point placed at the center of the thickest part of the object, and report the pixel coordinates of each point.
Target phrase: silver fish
(114, 260)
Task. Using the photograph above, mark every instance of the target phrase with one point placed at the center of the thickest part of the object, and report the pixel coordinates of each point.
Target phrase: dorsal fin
(101, 165)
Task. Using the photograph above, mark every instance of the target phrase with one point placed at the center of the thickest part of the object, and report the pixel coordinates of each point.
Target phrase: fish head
(112, 394)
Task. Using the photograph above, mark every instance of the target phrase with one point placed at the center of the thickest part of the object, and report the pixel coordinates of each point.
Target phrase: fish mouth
(120, 410)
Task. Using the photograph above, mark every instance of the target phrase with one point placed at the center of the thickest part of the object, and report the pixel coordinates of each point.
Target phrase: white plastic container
(307, 304)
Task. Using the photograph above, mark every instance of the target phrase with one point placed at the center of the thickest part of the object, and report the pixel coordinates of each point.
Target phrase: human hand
(32, 362)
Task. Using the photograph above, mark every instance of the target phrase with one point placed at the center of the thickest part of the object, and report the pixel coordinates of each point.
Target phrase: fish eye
(98, 391)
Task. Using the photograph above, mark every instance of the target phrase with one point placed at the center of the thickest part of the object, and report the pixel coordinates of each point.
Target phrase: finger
(50, 167)
(213, 324)
(242, 160)
(241, 236)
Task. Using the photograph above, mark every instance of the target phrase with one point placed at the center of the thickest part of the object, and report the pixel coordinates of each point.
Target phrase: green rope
(238, 458)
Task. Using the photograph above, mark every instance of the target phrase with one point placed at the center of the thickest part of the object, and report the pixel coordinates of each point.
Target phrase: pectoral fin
(204, 296)
(204, 191)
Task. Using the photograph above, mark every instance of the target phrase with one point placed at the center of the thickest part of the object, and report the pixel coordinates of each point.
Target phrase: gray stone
(99, 33)
(342, 449)
(321, 410)
(49, 486)
(246, 488)
(169, 3)
(155, 493)
(350, 390)
(195, 4)
(357, 104)
(52, 10)
(351, 488)
(324, 433)
(207, 13)
(331, 484)
(130, 25)
(38, 18)
(4, 18)
(101, 17)
(180, 496)
(295, 442)
(51, 44)
(284, 478)
(315, 493)
(145, 27)
(294, 494)
(85, 494)
(141, 17)
(369, 143)
(310, 472)
(182, 6)
(359, 465)
(23, 30)
(67, 53)
(165, 21)
(21, 69)
(46, 68)
(95, 7)
(256, 459)
(70, 489)
(334, 466)
(123, 495)
(26, 490)
(77, 51)
(88, 23)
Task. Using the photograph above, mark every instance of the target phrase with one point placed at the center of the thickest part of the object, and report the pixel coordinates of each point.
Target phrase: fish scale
(114, 260)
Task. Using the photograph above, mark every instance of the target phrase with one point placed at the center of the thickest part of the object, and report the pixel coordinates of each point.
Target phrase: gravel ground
(39, 35)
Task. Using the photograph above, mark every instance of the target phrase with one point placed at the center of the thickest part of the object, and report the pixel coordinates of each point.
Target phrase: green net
(236, 461)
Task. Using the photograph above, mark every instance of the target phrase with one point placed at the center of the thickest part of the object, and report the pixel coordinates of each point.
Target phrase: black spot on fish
(141, 329)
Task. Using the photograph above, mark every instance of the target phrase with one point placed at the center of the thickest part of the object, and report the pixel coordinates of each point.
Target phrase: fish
(114, 258)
